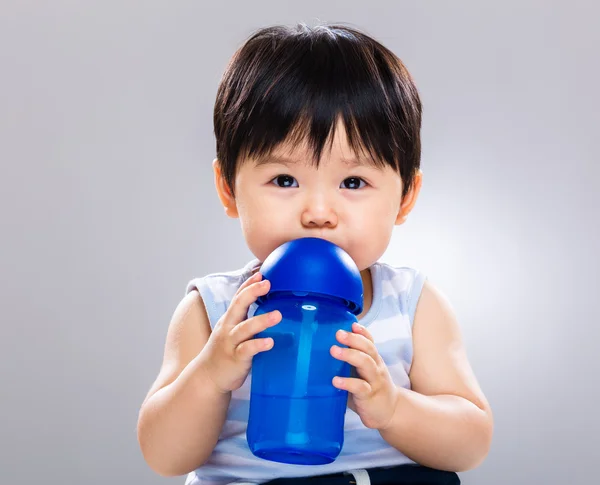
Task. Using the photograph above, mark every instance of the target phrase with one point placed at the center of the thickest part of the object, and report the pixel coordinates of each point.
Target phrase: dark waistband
(398, 475)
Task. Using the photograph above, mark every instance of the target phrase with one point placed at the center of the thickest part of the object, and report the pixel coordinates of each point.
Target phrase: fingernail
(343, 334)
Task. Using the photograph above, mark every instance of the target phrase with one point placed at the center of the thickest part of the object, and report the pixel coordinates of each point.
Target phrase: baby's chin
(364, 267)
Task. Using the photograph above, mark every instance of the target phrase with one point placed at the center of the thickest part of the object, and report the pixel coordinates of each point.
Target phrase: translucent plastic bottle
(296, 414)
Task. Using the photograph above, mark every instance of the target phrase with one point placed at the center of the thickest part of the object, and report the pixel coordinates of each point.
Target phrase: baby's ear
(410, 199)
(224, 191)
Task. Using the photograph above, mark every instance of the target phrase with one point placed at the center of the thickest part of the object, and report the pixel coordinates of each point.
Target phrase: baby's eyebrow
(359, 162)
(275, 160)
(280, 160)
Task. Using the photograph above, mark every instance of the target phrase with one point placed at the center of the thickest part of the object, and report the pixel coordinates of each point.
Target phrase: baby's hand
(229, 350)
(373, 397)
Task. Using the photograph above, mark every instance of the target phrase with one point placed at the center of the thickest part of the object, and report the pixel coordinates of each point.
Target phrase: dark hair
(297, 81)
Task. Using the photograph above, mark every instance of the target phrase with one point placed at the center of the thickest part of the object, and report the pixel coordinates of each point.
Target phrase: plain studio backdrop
(108, 209)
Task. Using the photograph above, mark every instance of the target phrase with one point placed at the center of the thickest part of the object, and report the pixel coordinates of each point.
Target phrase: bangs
(293, 85)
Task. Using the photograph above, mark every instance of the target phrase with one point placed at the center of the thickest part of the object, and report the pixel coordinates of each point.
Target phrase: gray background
(108, 209)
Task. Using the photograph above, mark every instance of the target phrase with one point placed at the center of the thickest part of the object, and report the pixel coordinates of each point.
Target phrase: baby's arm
(181, 418)
(183, 413)
(445, 421)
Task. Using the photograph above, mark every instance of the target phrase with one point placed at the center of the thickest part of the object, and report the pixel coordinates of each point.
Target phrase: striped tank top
(396, 291)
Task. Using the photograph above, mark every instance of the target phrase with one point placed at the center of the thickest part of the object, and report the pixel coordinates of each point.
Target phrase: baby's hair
(295, 82)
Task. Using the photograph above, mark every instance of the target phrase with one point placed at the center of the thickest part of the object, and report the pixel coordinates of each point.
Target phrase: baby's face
(285, 197)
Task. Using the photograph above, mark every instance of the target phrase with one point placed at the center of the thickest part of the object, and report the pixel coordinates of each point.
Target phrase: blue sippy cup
(296, 414)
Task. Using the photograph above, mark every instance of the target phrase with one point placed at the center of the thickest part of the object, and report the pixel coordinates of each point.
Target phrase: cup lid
(314, 265)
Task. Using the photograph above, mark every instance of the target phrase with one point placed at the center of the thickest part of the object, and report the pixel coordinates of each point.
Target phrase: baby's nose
(319, 213)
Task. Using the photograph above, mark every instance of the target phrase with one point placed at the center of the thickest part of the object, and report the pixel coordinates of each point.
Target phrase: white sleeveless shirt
(396, 291)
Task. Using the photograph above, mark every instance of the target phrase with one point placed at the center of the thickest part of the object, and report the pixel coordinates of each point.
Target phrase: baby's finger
(364, 363)
(255, 278)
(238, 310)
(359, 329)
(248, 349)
(359, 342)
(359, 388)
(249, 328)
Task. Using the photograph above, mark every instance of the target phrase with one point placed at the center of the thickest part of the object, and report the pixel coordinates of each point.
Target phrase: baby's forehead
(339, 152)
(342, 148)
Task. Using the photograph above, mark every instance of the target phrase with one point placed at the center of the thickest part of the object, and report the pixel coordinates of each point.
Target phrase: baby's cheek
(372, 243)
(263, 238)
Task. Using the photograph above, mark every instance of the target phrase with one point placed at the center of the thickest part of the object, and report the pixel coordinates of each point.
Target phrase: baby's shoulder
(399, 284)
(218, 289)
(221, 284)
(405, 280)
(401, 276)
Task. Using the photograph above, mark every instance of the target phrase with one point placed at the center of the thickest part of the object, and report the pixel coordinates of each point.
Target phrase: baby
(318, 135)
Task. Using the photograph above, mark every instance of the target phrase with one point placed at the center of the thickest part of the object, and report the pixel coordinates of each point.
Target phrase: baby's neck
(367, 291)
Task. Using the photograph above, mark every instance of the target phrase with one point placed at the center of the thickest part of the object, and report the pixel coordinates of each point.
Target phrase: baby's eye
(353, 183)
(285, 181)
